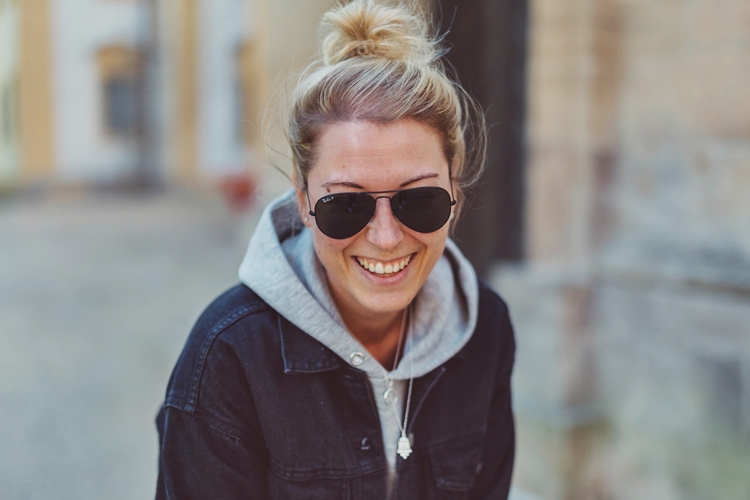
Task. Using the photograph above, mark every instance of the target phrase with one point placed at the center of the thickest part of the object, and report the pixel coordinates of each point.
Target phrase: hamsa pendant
(404, 447)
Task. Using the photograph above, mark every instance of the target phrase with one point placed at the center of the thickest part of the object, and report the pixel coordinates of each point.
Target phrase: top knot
(364, 29)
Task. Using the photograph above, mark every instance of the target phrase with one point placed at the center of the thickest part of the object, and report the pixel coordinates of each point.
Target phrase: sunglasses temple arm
(450, 181)
(309, 206)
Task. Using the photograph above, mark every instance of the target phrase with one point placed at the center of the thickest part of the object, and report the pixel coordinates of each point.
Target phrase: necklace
(404, 443)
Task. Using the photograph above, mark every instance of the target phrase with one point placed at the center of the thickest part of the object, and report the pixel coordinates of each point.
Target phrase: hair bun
(363, 28)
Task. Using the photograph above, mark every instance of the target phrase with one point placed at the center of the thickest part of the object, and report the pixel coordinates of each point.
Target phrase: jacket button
(356, 358)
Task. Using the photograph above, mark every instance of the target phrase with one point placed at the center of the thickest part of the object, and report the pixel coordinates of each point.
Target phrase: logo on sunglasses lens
(326, 199)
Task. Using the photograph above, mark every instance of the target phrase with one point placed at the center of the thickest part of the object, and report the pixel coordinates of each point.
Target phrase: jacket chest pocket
(455, 466)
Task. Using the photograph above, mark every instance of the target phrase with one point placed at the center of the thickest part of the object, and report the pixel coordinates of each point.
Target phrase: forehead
(376, 156)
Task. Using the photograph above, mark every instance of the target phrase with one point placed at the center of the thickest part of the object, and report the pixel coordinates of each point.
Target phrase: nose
(384, 231)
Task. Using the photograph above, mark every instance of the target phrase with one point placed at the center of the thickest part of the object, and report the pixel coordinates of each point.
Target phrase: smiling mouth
(384, 268)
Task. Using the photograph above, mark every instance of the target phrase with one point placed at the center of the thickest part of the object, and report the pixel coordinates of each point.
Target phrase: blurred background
(614, 217)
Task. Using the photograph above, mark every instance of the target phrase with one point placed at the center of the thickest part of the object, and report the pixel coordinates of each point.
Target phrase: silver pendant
(404, 447)
(390, 394)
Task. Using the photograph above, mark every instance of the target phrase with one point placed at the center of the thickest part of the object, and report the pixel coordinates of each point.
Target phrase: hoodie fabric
(282, 268)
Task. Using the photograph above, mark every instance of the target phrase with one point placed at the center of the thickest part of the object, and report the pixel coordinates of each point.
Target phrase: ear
(302, 206)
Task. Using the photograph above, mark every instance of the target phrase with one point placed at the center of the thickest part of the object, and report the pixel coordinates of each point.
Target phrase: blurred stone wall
(633, 308)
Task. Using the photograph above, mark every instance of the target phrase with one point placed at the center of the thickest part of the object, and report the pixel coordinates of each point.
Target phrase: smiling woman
(360, 358)
(365, 156)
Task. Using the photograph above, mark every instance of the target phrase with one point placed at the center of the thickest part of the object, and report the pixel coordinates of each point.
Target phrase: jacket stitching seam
(206, 347)
(281, 341)
(212, 425)
(291, 474)
(342, 425)
(426, 393)
(454, 442)
(287, 364)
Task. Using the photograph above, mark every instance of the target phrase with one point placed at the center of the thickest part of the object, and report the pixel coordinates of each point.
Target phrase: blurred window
(7, 113)
(118, 76)
(120, 105)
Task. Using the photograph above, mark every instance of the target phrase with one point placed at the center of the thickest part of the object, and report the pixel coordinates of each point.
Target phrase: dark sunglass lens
(342, 215)
(424, 209)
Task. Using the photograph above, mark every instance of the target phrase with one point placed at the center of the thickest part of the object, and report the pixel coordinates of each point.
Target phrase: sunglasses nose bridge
(387, 203)
(390, 204)
(384, 229)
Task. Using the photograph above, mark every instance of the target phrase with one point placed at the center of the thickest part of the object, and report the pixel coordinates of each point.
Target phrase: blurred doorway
(487, 41)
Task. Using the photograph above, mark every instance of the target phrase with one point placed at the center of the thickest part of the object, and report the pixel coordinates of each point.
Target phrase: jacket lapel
(302, 353)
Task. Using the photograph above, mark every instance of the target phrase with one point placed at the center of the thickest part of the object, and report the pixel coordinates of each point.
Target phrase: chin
(386, 302)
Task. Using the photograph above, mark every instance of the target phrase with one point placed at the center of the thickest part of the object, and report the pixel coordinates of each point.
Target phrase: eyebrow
(354, 185)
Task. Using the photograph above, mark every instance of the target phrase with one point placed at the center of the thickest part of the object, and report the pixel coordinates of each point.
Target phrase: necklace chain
(404, 443)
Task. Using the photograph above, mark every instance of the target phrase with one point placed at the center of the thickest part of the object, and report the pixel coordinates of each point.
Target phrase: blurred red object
(239, 191)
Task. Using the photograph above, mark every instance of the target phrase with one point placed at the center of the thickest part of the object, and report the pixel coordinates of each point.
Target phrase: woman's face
(363, 156)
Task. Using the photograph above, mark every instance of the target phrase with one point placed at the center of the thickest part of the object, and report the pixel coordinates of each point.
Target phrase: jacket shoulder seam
(208, 342)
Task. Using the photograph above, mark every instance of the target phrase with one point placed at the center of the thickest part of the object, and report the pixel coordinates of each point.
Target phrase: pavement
(98, 292)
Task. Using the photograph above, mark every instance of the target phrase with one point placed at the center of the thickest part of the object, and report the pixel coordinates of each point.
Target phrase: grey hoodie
(282, 268)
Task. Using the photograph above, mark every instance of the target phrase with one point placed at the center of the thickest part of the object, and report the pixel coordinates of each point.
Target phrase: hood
(282, 268)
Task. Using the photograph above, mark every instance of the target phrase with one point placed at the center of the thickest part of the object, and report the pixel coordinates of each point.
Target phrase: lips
(384, 267)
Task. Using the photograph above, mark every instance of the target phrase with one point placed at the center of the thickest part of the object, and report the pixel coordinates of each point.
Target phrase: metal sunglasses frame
(394, 191)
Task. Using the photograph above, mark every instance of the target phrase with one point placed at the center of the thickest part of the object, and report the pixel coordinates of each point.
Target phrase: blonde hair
(380, 64)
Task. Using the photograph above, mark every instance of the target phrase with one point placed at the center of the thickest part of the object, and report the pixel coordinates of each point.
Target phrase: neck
(379, 334)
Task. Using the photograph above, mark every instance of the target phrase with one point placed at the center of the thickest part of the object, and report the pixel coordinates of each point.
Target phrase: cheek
(434, 241)
(329, 250)
(434, 244)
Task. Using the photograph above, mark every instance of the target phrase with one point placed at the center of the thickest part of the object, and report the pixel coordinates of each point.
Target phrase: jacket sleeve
(493, 481)
(210, 441)
(199, 461)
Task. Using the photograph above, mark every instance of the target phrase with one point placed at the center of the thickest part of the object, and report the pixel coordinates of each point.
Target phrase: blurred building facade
(632, 303)
(128, 91)
(8, 72)
(24, 62)
(145, 91)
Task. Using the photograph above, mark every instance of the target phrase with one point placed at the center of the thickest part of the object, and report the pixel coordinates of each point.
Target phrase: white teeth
(380, 268)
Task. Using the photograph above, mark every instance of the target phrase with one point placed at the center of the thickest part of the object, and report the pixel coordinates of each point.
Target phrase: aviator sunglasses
(422, 209)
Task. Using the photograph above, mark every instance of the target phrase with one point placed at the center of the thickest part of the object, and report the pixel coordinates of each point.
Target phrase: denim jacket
(256, 408)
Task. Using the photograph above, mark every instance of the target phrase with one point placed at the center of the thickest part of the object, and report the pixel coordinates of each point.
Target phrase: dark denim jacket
(256, 408)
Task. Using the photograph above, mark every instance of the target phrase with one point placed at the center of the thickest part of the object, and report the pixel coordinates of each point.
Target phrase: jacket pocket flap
(455, 464)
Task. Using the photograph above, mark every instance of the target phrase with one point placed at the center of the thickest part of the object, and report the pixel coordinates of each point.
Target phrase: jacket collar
(302, 353)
